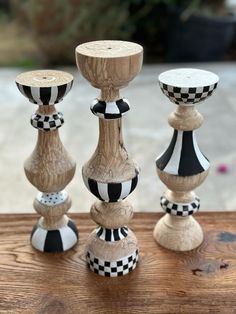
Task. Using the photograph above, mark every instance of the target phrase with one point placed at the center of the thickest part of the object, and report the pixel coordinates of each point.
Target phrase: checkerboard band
(185, 96)
(112, 235)
(180, 209)
(110, 110)
(47, 122)
(111, 192)
(58, 240)
(112, 268)
(183, 156)
(45, 95)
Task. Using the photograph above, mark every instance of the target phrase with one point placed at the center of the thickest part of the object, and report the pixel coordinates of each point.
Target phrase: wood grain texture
(110, 161)
(199, 281)
(110, 65)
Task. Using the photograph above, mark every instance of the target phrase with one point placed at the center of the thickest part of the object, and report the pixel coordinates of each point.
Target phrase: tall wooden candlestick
(110, 174)
(182, 167)
(49, 168)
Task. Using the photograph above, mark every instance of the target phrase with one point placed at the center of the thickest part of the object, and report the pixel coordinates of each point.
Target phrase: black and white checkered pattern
(110, 110)
(111, 192)
(112, 268)
(178, 209)
(58, 240)
(112, 235)
(47, 122)
(185, 96)
(45, 95)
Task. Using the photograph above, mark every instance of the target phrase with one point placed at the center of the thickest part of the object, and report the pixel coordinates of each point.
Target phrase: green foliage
(60, 25)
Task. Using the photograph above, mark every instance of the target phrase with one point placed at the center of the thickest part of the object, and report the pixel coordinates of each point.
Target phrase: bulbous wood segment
(49, 168)
(110, 174)
(110, 161)
(183, 167)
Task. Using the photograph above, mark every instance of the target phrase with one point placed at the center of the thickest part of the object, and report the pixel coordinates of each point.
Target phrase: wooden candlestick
(182, 167)
(110, 174)
(49, 168)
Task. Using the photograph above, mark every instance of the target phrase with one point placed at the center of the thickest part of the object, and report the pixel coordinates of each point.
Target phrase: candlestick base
(58, 240)
(114, 258)
(178, 233)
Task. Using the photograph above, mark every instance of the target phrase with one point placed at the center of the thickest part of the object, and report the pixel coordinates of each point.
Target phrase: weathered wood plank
(200, 281)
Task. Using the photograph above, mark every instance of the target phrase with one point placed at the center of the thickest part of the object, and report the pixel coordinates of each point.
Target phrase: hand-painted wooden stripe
(183, 156)
(114, 191)
(45, 95)
(61, 91)
(111, 235)
(134, 184)
(111, 192)
(202, 159)
(189, 163)
(93, 187)
(68, 236)
(164, 158)
(123, 105)
(38, 238)
(53, 241)
(73, 227)
(27, 92)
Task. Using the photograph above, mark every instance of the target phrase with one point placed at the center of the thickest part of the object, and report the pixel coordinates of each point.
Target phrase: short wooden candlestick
(182, 167)
(49, 168)
(110, 174)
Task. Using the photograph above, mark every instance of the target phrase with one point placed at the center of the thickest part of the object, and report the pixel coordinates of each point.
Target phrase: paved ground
(146, 134)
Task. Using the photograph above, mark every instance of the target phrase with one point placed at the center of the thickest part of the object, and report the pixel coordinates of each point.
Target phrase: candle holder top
(109, 64)
(44, 87)
(187, 87)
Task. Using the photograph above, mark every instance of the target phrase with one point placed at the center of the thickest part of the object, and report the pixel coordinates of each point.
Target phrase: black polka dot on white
(52, 199)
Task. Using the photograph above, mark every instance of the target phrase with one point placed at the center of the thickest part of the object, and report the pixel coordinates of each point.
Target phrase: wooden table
(201, 281)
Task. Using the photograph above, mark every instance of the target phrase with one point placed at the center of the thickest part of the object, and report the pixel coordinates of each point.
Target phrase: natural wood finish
(181, 86)
(111, 251)
(49, 168)
(110, 66)
(44, 78)
(53, 216)
(103, 214)
(164, 282)
(110, 161)
(185, 118)
(178, 233)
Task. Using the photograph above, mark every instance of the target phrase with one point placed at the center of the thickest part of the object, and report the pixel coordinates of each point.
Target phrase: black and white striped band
(45, 95)
(58, 240)
(112, 268)
(47, 122)
(110, 110)
(112, 235)
(183, 156)
(180, 209)
(110, 192)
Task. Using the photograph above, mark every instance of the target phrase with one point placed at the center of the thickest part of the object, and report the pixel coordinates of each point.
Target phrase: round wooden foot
(178, 233)
(112, 258)
(58, 240)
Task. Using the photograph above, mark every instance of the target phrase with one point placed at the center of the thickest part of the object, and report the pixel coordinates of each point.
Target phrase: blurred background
(39, 33)
(174, 33)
